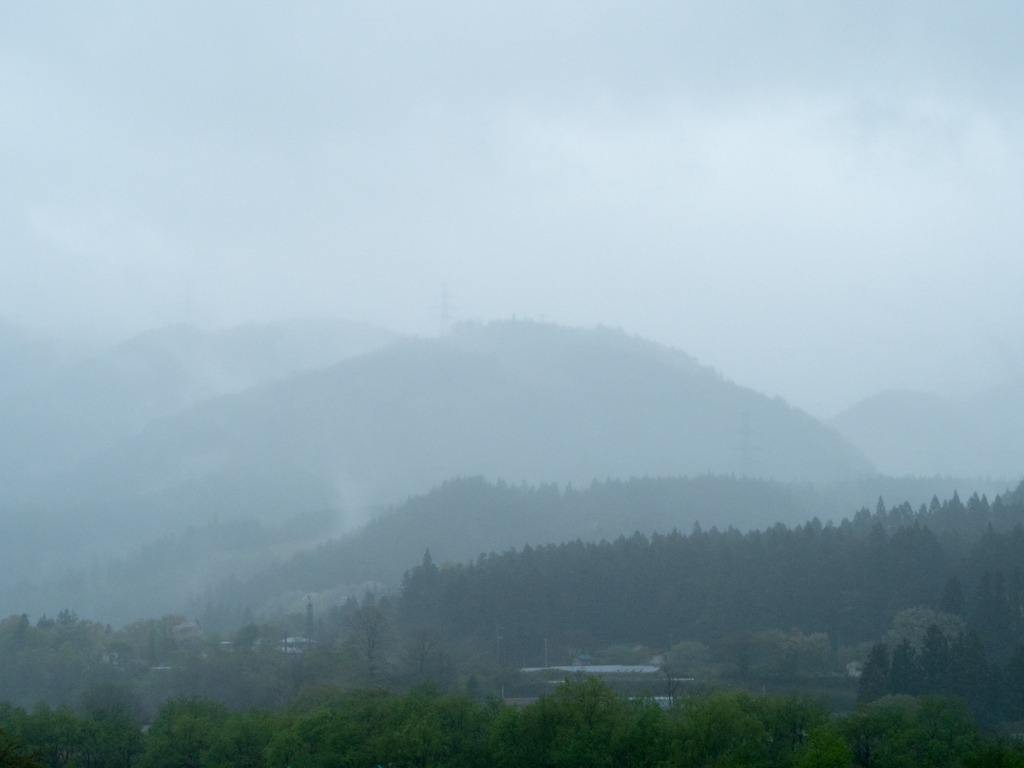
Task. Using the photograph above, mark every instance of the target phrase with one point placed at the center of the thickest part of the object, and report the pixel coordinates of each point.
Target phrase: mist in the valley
(298, 301)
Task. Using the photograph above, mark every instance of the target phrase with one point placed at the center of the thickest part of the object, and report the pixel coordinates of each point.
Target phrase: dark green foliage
(825, 748)
(940, 667)
(53, 661)
(706, 586)
(373, 633)
(14, 753)
(60, 737)
(996, 754)
(582, 724)
(874, 680)
(1013, 684)
(905, 674)
(728, 595)
(182, 733)
(241, 740)
(371, 727)
(902, 731)
(462, 518)
(131, 671)
(935, 664)
(953, 601)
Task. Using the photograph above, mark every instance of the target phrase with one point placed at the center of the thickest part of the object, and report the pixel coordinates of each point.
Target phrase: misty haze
(540, 384)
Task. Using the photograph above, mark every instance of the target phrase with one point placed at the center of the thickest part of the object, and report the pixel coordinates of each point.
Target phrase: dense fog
(365, 361)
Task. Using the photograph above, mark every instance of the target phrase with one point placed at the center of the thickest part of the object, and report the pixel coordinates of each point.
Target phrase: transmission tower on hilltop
(444, 311)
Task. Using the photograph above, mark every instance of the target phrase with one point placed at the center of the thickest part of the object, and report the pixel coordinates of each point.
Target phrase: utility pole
(497, 644)
(545, 653)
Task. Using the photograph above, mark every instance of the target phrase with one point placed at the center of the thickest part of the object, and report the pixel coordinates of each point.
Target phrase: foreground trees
(582, 723)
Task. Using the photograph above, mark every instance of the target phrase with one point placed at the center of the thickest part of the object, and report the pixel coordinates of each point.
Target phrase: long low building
(599, 669)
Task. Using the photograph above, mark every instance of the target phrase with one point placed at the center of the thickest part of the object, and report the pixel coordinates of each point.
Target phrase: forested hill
(850, 581)
(519, 401)
(785, 607)
(57, 409)
(917, 433)
(457, 521)
(463, 518)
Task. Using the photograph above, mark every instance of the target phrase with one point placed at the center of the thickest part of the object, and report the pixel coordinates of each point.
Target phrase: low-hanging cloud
(819, 201)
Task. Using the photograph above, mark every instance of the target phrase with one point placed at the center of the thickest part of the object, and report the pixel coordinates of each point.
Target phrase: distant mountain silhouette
(519, 401)
(911, 433)
(56, 411)
(463, 519)
(218, 569)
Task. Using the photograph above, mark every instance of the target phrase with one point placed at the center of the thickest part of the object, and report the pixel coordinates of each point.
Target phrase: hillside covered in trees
(276, 426)
(269, 567)
(463, 518)
(848, 581)
(216, 457)
(886, 576)
(925, 601)
(518, 401)
(59, 407)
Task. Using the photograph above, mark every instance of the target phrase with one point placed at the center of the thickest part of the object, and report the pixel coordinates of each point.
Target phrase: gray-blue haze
(262, 440)
(819, 201)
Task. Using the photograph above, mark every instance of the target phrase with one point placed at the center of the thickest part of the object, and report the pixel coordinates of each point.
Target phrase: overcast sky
(821, 200)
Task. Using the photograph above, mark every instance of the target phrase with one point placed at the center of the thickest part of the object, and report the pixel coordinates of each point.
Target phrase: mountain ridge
(906, 432)
(516, 401)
